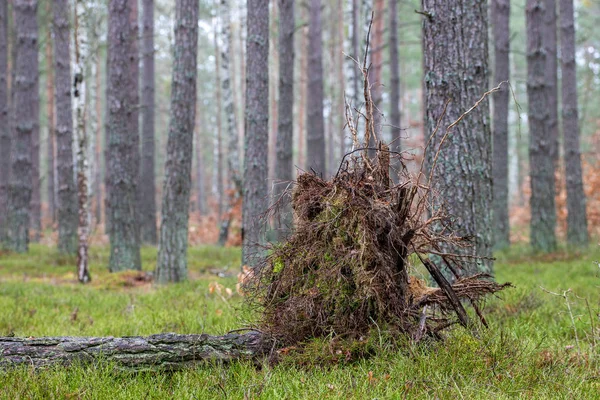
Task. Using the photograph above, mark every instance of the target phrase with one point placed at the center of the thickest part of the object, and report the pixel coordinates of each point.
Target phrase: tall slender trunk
(200, 175)
(375, 72)
(356, 34)
(219, 130)
(172, 247)
(4, 117)
(455, 67)
(577, 233)
(79, 93)
(256, 138)
(227, 86)
(67, 195)
(341, 99)
(302, 95)
(36, 198)
(543, 213)
(94, 112)
(25, 123)
(148, 178)
(123, 142)
(501, 39)
(550, 47)
(51, 122)
(315, 124)
(285, 130)
(395, 86)
(98, 187)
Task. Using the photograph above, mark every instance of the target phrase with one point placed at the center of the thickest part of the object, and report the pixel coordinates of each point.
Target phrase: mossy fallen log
(162, 351)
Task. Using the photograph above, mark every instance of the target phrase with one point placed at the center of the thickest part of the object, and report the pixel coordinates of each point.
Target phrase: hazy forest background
(221, 39)
(143, 141)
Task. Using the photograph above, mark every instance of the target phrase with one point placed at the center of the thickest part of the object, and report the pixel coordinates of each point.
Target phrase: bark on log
(162, 351)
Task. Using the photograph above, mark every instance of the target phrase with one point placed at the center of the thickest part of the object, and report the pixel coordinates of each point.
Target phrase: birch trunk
(79, 94)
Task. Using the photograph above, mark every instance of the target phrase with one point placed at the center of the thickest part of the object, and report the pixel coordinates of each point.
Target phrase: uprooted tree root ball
(346, 267)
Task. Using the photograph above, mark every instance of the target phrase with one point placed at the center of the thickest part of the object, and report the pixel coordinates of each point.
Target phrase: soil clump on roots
(347, 266)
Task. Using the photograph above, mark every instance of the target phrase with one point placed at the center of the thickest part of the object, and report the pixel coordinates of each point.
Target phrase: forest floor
(531, 349)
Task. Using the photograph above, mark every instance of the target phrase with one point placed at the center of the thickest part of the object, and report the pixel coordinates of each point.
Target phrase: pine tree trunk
(123, 139)
(67, 196)
(256, 138)
(200, 175)
(395, 85)
(36, 198)
(550, 46)
(376, 61)
(167, 351)
(284, 167)
(455, 67)
(26, 123)
(315, 124)
(233, 153)
(219, 130)
(172, 246)
(501, 39)
(577, 233)
(4, 118)
(302, 95)
(356, 39)
(543, 213)
(148, 178)
(51, 122)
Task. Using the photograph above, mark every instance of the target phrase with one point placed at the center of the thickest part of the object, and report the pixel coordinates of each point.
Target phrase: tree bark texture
(284, 167)
(79, 93)
(4, 118)
(356, 77)
(173, 240)
(501, 38)
(550, 43)
(36, 202)
(167, 351)
(456, 76)
(148, 178)
(395, 84)
(256, 138)
(219, 130)
(51, 122)
(315, 123)
(123, 140)
(543, 213)
(375, 72)
(67, 195)
(25, 123)
(233, 153)
(577, 233)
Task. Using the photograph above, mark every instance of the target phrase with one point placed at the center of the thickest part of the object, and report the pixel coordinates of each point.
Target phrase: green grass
(529, 352)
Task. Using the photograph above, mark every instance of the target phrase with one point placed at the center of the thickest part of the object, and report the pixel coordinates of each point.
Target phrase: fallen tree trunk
(162, 351)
